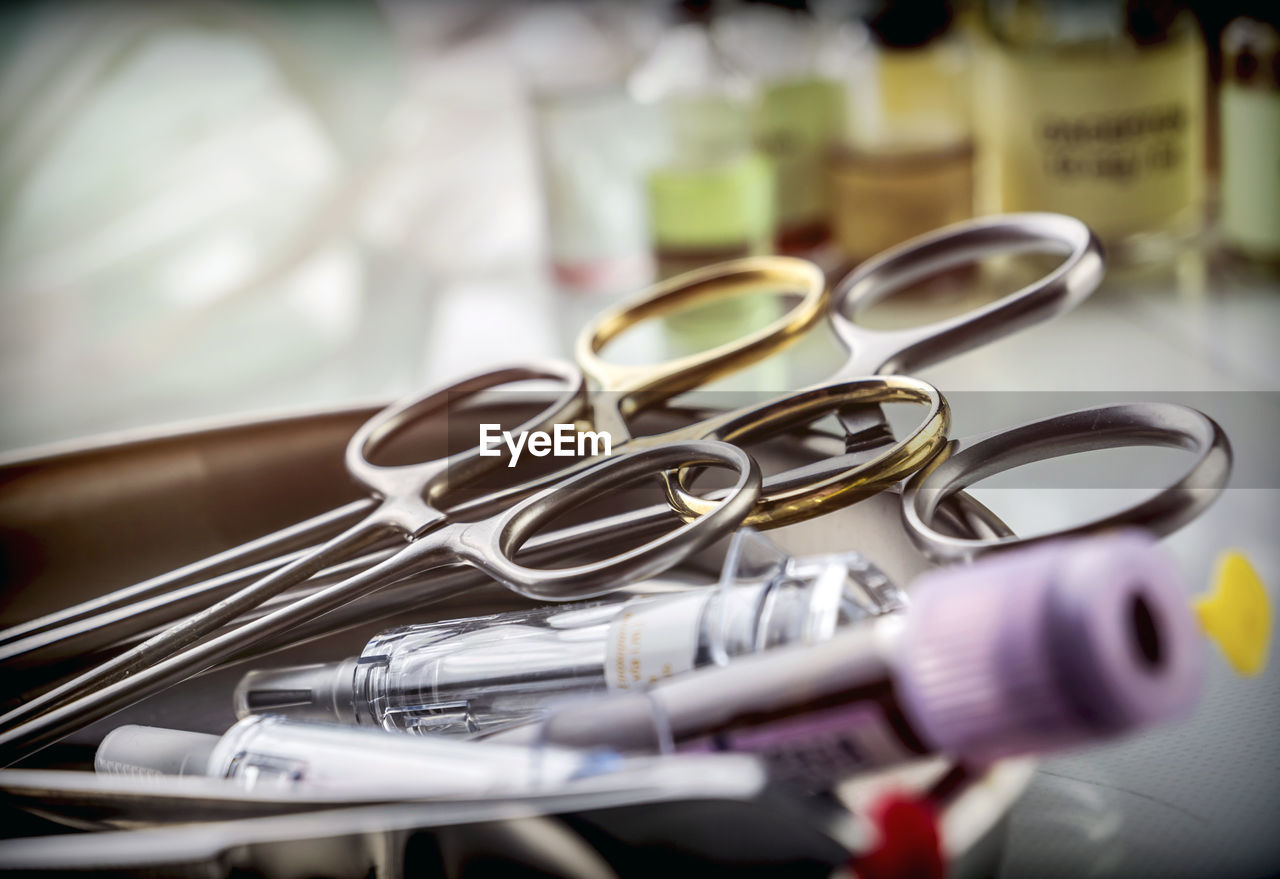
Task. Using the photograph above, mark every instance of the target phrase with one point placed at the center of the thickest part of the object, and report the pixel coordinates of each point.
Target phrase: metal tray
(78, 520)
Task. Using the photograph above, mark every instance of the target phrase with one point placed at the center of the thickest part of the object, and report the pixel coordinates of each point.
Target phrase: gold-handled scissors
(616, 395)
(887, 353)
(962, 462)
(410, 506)
(404, 502)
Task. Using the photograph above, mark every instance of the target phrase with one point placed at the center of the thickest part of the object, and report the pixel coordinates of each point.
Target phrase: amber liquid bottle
(905, 165)
(885, 198)
(1096, 109)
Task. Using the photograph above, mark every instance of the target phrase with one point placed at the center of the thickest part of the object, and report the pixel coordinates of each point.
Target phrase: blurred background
(218, 208)
(226, 207)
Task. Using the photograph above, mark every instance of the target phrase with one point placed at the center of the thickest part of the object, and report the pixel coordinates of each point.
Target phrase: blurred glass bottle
(905, 166)
(1096, 109)
(799, 110)
(710, 195)
(1249, 134)
(191, 213)
(595, 143)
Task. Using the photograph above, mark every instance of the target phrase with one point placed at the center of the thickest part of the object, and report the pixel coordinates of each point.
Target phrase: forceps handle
(907, 350)
(631, 387)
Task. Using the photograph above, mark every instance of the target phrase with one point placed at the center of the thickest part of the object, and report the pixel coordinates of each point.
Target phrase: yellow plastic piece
(1236, 614)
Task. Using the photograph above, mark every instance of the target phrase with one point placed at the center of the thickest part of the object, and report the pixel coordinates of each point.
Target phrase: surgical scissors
(965, 461)
(489, 544)
(630, 392)
(282, 548)
(837, 481)
(406, 508)
(621, 390)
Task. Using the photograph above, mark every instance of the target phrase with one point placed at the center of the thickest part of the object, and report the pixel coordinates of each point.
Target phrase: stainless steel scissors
(965, 461)
(286, 548)
(620, 391)
(406, 495)
(633, 388)
(413, 513)
(489, 544)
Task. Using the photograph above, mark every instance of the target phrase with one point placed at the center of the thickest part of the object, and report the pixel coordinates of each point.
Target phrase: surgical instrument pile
(424, 521)
(1041, 648)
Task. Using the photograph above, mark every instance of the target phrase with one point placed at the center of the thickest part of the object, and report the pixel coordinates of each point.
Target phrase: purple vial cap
(1048, 647)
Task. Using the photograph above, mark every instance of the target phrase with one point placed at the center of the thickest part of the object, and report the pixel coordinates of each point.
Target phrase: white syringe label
(652, 640)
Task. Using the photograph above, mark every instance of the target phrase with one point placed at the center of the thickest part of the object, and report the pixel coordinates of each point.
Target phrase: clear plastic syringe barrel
(482, 674)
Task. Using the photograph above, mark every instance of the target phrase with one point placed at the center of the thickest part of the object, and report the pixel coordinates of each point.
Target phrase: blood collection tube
(1032, 650)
